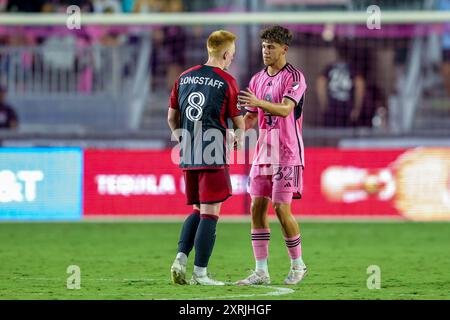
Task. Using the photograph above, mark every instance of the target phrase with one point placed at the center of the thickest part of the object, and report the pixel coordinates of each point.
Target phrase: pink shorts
(280, 184)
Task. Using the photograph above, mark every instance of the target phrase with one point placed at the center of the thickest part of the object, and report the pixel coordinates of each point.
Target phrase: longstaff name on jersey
(206, 81)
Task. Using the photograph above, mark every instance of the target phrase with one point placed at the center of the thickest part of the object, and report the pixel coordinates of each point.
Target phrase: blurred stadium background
(89, 136)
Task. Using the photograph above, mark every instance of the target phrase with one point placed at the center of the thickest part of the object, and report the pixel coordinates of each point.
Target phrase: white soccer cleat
(205, 281)
(178, 272)
(256, 278)
(295, 275)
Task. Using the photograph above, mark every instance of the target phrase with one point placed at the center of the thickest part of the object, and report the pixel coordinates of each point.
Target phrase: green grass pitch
(131, 260)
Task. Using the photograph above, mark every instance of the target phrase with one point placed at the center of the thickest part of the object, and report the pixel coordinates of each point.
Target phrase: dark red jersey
(206, 97)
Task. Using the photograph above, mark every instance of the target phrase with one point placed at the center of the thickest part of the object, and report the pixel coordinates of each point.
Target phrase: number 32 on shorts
(287, 178)
(284, 172)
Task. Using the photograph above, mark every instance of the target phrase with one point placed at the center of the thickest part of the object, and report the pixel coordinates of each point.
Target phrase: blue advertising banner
(41, 183)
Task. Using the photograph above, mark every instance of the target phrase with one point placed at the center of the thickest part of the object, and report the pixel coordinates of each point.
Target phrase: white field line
(276, 291)
(279, 291)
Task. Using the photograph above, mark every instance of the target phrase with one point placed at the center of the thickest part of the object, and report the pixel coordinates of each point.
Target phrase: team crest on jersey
(295, 85)
(268, 97)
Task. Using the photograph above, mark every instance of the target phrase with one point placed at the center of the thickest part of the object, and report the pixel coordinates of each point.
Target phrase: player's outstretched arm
(247, 98)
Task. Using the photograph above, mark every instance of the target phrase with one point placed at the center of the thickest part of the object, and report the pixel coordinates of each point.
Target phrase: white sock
(261, 265)
(200, 271)
(297, 263)
(182, 257)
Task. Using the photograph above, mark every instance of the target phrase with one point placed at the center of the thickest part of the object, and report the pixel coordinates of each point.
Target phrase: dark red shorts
(207, 186)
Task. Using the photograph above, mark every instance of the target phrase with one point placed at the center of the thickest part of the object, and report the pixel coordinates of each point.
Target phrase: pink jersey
(287, 138)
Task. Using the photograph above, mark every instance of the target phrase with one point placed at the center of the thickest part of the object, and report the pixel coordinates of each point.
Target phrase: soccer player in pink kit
(274, 100)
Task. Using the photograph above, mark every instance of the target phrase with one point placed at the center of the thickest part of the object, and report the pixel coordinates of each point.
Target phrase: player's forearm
(250, 120)
(238, 123)
(239, 129)
(276, 109)
(174, 124)
(173, 120)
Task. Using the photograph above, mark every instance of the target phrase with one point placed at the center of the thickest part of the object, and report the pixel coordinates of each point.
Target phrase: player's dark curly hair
(277, 34)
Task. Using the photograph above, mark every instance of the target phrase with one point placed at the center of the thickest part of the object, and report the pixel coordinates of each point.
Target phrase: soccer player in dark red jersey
(203, 98)
(274, 100)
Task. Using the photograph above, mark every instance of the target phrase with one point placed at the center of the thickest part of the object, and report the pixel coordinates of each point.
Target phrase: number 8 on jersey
(196, 101)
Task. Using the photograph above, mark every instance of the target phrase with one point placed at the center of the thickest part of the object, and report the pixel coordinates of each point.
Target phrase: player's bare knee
(255, 209)
(257, 216)
(282, 213)
(258, 206)
(258, 211)
(279, 207)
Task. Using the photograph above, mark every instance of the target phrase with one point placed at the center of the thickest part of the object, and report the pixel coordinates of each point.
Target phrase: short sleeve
(173, 100)
(252, 87)
(232, 107)
(295, 87)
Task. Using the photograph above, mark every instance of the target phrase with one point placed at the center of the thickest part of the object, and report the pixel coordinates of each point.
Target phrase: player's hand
(247, 98)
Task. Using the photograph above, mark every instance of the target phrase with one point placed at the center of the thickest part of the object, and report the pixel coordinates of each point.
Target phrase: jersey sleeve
(173, 100)
(295, 87)
(252, 87)
(232, 107)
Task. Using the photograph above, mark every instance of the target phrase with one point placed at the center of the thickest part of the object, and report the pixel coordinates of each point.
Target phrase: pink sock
(260, 243)
(294, 246)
